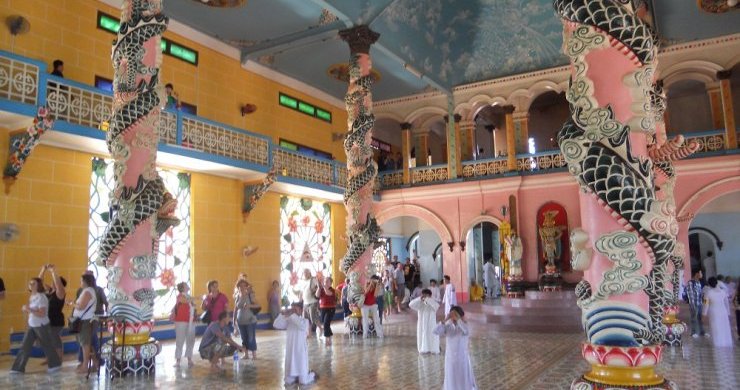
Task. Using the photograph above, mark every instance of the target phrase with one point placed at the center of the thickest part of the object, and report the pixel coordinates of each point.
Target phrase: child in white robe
(450, 298)
(296, 346)
(426, 340)
(436, 295)
(458, 370)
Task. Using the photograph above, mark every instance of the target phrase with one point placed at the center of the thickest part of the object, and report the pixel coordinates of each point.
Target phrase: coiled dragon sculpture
(363, 230)
(597, 144)
(141, 208)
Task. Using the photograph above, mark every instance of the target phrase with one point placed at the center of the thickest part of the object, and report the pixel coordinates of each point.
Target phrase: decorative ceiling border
(550, 71)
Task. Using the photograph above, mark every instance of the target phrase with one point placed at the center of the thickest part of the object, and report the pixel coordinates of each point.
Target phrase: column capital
(456, 118)
(724, 74)
(519, 115)
(406, 126)
(359, 38)
(489, 128)
(508, 109)
(420, 132)
(467, 124)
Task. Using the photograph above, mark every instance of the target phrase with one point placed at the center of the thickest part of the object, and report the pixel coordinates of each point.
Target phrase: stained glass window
(174, 263)
(305, 243)
(381, 253)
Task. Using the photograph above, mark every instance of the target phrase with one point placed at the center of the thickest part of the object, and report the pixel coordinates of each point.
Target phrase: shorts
(400, 291)
(85, 335)
(216, 350)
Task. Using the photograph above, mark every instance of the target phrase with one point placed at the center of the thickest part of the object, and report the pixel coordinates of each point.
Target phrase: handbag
(74, 324)
(205, 317)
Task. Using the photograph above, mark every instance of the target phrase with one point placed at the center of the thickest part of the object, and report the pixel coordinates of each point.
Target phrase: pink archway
(695, 203)
(408, 210)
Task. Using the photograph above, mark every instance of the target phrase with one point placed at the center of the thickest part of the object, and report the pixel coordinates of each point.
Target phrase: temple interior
(567, 166)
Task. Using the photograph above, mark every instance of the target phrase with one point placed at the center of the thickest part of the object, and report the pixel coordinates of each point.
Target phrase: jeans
(184, 334)
(249, 338)
(379, 302)
(367, 311)
(327, 314)
(43, 335)
(696, 325)
(345, 308)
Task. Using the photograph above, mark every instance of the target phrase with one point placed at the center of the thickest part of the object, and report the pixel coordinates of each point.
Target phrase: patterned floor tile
(501, 360)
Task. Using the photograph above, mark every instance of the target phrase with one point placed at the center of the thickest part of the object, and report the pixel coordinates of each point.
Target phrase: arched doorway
(482, 244)
(547, 113)
(714, 229)
(412, 238)
(689, 109)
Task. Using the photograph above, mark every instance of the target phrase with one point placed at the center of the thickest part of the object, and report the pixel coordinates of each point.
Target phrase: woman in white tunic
(718, 311)
(296, 346)
(426, 306)
(458, 371)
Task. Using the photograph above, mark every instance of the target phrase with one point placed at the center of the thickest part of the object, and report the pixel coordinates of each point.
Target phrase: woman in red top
(215, 301)
(183, 315)
(328, 305)
(370, 308)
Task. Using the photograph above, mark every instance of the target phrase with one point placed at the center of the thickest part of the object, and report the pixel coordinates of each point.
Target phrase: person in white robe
(296, 345)
(426, 306)
(450, 298)
(436, 294)
(718, 310)
(490, 280)
(458, 370)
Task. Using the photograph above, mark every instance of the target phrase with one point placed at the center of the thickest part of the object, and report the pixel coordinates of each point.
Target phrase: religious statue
(550, 236)
(504, 231)
(514, 253)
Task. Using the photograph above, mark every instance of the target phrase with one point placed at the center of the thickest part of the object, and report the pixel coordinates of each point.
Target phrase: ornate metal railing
(340, 174)
(24, 85)
(300, 166)
(542, 161)
(430, 174)
(221, 140)
(77, 103)
(709, 141)
(388, 179)
(486, 167)
(19, 78)
(168, 127)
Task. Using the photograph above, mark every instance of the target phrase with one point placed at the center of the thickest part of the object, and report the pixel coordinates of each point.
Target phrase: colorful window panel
(305, 243)
(381, 253)
(175, 262)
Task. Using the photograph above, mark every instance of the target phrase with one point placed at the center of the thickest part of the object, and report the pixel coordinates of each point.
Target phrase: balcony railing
(709, 141)
(485, 167)
(19, 79)
(300, 166)
(430, 174)
(24, 85)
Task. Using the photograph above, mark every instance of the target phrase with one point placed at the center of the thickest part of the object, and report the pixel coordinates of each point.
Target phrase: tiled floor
(501, 361)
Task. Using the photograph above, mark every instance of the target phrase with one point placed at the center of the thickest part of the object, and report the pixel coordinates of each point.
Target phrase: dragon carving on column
(141, 209)
(363, 230)
(613, 151)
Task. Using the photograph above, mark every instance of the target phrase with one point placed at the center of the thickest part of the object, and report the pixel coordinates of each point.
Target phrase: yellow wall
(67, 30)
(49, 202)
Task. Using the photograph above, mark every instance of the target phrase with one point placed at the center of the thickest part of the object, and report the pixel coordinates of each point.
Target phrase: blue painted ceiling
(449, 42)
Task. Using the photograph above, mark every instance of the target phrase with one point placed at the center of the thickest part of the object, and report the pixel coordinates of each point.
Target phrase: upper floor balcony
(202, 145)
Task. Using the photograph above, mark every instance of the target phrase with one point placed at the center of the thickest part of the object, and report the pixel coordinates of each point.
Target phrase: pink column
(141, 209)
(362, 229)
(630, 230)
